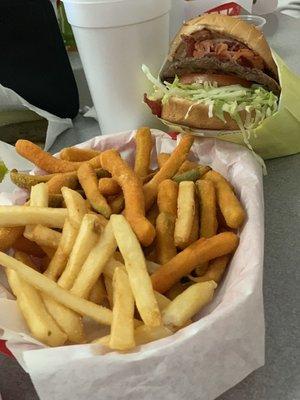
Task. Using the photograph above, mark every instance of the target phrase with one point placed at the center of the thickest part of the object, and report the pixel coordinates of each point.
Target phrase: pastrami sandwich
(219, 75)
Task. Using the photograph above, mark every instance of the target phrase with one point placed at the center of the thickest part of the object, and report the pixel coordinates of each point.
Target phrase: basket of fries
(135, 259)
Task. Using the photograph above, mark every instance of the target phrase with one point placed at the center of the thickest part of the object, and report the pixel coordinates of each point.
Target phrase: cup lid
(113, 13)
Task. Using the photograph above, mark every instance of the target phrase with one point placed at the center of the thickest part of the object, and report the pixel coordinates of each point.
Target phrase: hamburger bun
(176, 110)
(231, 27)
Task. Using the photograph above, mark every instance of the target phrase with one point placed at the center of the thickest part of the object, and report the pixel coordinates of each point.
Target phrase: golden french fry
(22, 215)
(108, 187)
(167, 197)
(44, 236)
(61, 255)
(109, 290)
(85, 241)
(77, 154)
(152, 266)
(215, 270)
(152, 214)
(215, 177)
(230, 206)
(42, 283)
(133, 194)
(42, 326)
(49, 251)
(168, 170)
(185, 213)
(76, 206)
(137, 271)
(162, 158)
(111, 266)
(46, 161)
(117, 204)
(208, 205)
(175, 290)
(95, 263)
(188, 303)
(88, 180)
(142, 335)
(165, 246)
(183, 263)
(59, 181)
(122, 327)
(144, 144)
(162, 300)
(8, 236)
(26, 246)
(98, 292)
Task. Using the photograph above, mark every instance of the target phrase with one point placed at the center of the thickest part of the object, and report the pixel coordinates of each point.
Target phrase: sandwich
(219, 75)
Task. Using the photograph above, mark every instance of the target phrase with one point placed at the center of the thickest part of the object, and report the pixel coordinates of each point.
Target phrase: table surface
(279, 378)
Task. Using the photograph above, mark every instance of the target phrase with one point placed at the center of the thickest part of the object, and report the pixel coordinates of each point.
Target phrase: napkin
(11, 101)
(199, 362)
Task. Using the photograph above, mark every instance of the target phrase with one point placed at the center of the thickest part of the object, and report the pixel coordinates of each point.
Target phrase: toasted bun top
(231, 27)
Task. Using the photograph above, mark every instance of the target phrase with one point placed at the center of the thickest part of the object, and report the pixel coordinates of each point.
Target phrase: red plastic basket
(4, 349)
(227, 9)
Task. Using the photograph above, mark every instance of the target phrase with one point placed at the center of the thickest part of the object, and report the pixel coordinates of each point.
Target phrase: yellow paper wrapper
(278, 135)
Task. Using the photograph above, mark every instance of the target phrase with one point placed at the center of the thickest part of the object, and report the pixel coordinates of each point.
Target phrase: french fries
(77, 154)
(185, 213)
(88, 180)
(85, 241)
(168, 170)
(95, 263)
(144, 144)
(42, 326)
(183, 263)
(21, 216)
(188, 303)
(169, 259)
(122, 327)
(230, 206)
(42, 283)
(46, 161)
(133, 194)
(137, 271)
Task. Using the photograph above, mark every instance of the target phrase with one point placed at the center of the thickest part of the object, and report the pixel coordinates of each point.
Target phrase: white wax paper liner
(201, 361)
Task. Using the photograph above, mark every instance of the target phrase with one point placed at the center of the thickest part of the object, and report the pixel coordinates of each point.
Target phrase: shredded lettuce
(256, 101)
(3, 171)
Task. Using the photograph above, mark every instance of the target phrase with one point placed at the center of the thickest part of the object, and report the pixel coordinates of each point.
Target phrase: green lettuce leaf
(3, 171)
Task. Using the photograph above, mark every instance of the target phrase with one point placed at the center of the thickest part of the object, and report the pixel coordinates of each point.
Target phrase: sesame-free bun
(231, 27)
(181, 111)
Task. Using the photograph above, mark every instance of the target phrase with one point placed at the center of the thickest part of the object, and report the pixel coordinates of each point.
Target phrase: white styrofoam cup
(114, 38)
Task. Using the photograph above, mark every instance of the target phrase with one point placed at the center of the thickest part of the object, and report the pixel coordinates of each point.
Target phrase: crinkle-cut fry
(165, 246)
(144, 145)
(122, 326)
(89, 183)
(187, 166)
(8, 236)
(162, 158)
(85, 241)
(76, 206)
(27, 246)
(98, 292)
(168, 170)
(77, 154)
(46, 161)
(188, 303)
(109, 187)
(22, 215)
(183, 263)
(167, 197)
(135, 263)
(133, 194)
(44, 236)
(60, 180)
(230, 206)
(185, 213)
(40, 323)
(208, 206)
(61, 256)
(93, 266)
(42, 283)
(215, 270)
(117, 203)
